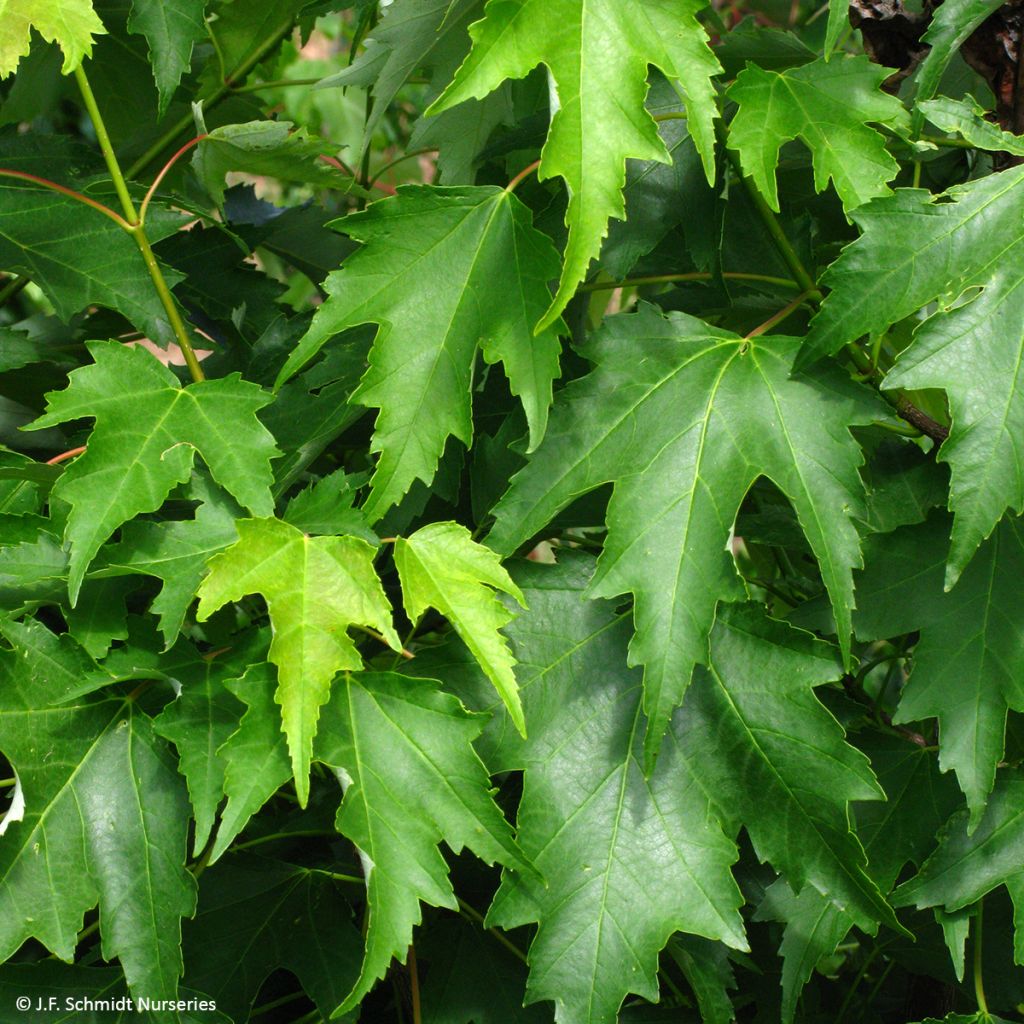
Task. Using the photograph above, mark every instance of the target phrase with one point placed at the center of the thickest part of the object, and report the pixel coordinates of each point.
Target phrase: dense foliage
(511, 501)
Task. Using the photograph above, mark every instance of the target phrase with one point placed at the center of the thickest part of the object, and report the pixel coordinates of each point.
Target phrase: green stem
(12, 288)
(138, 231)
(226, 88)
(277, 83)
(770, 221)
(979, 986)
(4, 783)
(170, 306)
(470, 912)
(631, 282)
(394, 163)
(274, 836)
(782, 314)
(868, 961)
(521, 176)
(292, 997)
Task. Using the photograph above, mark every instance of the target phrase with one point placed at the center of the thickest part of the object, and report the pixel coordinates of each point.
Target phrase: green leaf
(106, 811)
(968, 664)
(255, 756)
(442, 567)
(473, 979)
(677, 414)
(970, 863)
(326, 507)
(99, 617)
(951, 24)
(706, 967)
(626, 859)
(754, 707)
(287, 916)
(244, 34)
(412, 35)
(171, 28)
(403, 752)
(147, 431)
(70, 24)
(315, 588)
(77, 256)
(918, 802)
(426, 291)
(915, 250)
(598, 53)
(269, 148)
(827, 106)
(176, 552)
(199, 722)
(967, 118)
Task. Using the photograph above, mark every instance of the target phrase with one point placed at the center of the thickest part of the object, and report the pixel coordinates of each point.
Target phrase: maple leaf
(968, 664)
(108, 807)
(176, 552)
(269, 148)
(916, 248)
(442, 567)
(255, 756)
(919, 799)
(753, 728)
(625, 859)
(171, 28)
(148, 428)
(403, 751)
(828, 106)
(683, 418)
(77, 257)
(972, 862)
(966, 117)
(315, 588)
(598, 53)
(446, 248)
(292, 917)
(70, 24)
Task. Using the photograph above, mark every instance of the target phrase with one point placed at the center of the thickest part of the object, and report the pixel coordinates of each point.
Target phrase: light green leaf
(966, 118)
(442, 567)
(403, 752)
(684, 417)
(106, 812)
(626, 859)
(279, 916)
(70, 23)
(315, 588)
(432, 258)
(963, 249)
(753, 728)
(598, 53)
(827, 106)
(148, 429)
(171, 28)
(266, 148)
(968, 666)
